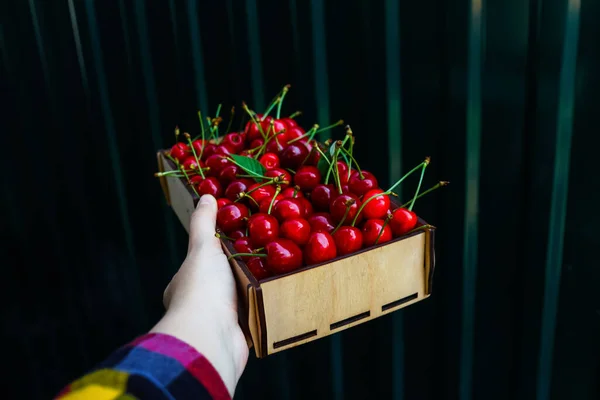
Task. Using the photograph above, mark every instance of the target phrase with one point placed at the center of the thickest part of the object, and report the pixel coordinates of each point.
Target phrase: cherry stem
(349, 205)
(187, 136)
(251, 114)
(189, 183)
(269, 182)
(285, 90)
(263, 147)
(294, 115)
(414, 200)
(349, 154)
(310, 133)
(296, 189)
(242, 195)
(273, 104)
(201, 125)
(385, 222)
(176, 133)
(221, 236)
(231, 119)
(245, 255)
(277, 190)
(437, 186)
(340, 122)
(322, 155)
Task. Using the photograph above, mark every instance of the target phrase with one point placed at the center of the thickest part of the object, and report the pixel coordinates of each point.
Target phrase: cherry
(252, 131)
(371, 230)
(286, 180)
(348, 239)
(223, 201)
(321, 222)
(277, 127)
(403, 221)
(289, 209)
(222, 150)
(360, 186)
(229, 174)
(296, 229)
(343, 202)
(197, 145)
(294, 155)
(237, 234)
(266, 203)
(342, 168)
(256, 143)
(217, 163)
(211, 186)
(307, 177)
(294, 132)
(321, 196)
(256, 265)
(234, 142)
(190, 163)
(180, 151)
(276, 145)
(378, 206)
(292, 193)
(290, 123)
(308, 207)
(269, 160)
(196, 180)
(243, 245)
(232, 217)
(209, 150)
(260, 193)
(319, 248)
(283, 256)
(262, 229)
(236, 187)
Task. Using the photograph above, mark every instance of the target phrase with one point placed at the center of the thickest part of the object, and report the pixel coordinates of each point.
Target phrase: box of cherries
(315, 244)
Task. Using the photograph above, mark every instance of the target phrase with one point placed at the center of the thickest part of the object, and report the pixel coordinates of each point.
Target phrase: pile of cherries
(284, 199)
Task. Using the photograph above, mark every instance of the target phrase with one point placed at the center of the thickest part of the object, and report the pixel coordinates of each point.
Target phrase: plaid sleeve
(154, 366)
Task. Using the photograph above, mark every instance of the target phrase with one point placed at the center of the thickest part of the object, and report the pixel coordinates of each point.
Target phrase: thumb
(202, 225)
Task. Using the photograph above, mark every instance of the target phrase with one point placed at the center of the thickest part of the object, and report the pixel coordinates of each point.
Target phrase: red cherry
(277, 126)
(286, 179)
(252, 132)
(223, 201)
(339, 205)
(243, 245)
(371, 230)
(232, 217)
(180, 151)
(342, 168)
(308, 207)
(211, 186)
(222, 150)
(319, 248)
(360, 186)
(292, 193)
(283, 256)
(229, 174)
(190, 163)
(321, 196)
(262, 229)
(257, 267)
(297, 230)
(403, 221)
(260, 193)
(237, 234)
(378, 206)
(348, 239)
(217, 163)
(234, 142)
(321, 222)
(256, 143)
(289, 122)
(269, 160)
(307, 177)
(289, 209)
(276, 145)
(209, 150)
(294, 155)
(236, 187)
(197, 145)
(266, 203)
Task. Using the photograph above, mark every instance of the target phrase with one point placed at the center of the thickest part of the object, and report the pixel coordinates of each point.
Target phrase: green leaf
(323, 166)
(250, 166)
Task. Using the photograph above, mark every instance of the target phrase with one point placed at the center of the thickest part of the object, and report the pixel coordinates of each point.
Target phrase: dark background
(91, 89)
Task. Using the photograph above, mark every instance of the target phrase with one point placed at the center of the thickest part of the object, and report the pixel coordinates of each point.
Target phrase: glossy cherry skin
(307, 177)
(276, 145)
(292, 193)
(237, 234)
(180, 151)
(266, 203)
(232, 217)
(348, 240)
(342, 168)
(234, 142)
(198, 145)
(210, 185)
(236, 187)
(403, 221)
(314, 156)
(286, 179)
(294, 155)
(297, 230)
(283, 255)
(339, 205)
(308, 207)
(229, 174)
(371, 230)
(217, 163)
(222, 150)
(321, 196)
(257, 266)
(190, 163)
(223, 201)
(289, 122)
(262, 228)
(319, 248)
(321, 222)
(288, 209)
(258, 194)
(378, 206)
(209, 150)
(243, 245)
(360, 186)
(269, 160)
(256, 143)
(252, 131)
(272, 129)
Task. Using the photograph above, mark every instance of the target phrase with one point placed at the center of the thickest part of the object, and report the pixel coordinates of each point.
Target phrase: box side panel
(163, 181)
(180, 198)
(320, 301)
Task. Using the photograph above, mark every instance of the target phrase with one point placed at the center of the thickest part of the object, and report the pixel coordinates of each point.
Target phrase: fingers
(202, 225)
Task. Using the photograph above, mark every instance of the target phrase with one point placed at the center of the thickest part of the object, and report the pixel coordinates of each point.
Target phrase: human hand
(201, 300)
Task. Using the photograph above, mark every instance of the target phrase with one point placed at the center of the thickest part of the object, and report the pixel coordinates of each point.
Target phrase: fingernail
(206, 199)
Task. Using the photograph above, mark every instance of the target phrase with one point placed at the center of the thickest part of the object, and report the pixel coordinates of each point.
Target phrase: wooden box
(285, 311)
